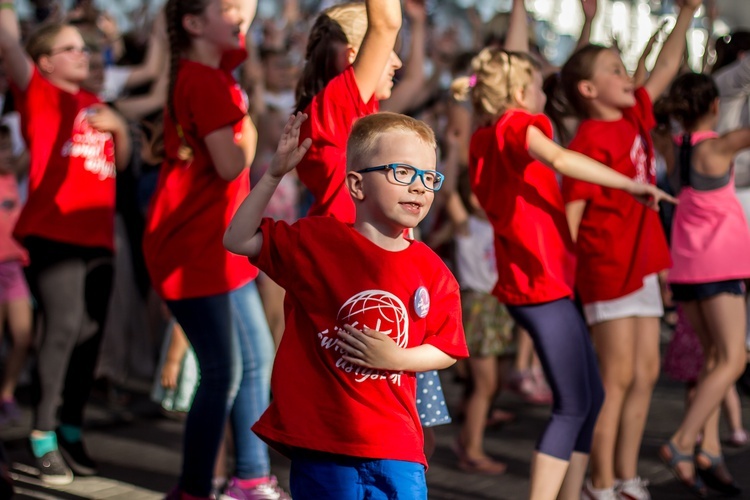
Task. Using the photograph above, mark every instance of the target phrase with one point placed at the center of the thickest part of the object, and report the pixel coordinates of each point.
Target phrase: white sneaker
(591, 493)
(633, 489)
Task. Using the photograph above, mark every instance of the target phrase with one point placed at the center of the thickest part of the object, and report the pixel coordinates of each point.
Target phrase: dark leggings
(71, 285)
(562, 342)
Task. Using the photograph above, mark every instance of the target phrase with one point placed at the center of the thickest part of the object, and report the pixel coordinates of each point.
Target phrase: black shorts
(683, 292)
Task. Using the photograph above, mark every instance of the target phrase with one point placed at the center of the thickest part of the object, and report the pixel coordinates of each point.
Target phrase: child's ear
(354, 185)
(519, 96)
(45, 64)
(587, 89)
(193, 24)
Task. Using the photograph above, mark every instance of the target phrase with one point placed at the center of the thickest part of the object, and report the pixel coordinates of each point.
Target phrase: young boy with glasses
(366, 309)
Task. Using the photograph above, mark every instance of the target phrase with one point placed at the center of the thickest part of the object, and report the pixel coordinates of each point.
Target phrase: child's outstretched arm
(242, 236)
(670, 57)
(17, 63)
(383, 24)
(581, 167)
(372, 349)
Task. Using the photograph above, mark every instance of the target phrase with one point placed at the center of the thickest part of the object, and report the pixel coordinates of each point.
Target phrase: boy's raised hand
(289, 151)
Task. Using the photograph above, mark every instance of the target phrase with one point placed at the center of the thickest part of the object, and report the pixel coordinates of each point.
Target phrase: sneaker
(75, 455)
(590, 493)
(53, 469)
(633, 489)
(270, 490)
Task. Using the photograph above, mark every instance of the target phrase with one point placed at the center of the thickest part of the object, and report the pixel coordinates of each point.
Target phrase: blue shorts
(322, 476)
(682, 292)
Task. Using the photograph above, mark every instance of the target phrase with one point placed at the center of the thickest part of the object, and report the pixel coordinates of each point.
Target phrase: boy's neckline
(410, 242)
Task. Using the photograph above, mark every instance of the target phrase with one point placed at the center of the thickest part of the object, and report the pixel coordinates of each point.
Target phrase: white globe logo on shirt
(378, 310)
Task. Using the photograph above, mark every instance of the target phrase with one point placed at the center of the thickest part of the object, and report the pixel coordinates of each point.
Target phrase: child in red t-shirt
(209, 141)
(508, 162)
(350, 66)
(620, 246)
(367, 308)
(67, 226)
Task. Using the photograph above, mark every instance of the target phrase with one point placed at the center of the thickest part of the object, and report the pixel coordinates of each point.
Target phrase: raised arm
(402, 97)
(242, 236)
(640, 74)
(383, 24)
(157, 53)
(582, 167)
(517, 37)
(589, 8)
(670, 58)
(18, 65)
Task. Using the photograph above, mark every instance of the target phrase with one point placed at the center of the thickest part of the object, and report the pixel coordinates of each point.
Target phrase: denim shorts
(682, 292)
(322, 476)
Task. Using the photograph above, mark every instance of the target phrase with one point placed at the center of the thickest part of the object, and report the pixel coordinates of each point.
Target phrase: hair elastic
(472, 81)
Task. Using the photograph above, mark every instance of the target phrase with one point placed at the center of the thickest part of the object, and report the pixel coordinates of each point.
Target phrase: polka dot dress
(430, 400)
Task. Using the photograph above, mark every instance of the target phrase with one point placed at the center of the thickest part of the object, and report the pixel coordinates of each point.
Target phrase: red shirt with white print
(72, 167)
(620, 241)
(192, 205)
(323, 169)
(334, 276)
(522, 199)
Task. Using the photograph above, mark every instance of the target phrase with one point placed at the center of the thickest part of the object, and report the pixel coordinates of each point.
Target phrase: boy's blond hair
(367, 131)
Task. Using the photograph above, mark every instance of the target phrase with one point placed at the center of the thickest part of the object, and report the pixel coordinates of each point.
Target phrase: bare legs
(719, 322)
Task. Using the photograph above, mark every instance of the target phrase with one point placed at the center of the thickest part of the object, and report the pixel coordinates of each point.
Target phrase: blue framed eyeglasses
(405, 174)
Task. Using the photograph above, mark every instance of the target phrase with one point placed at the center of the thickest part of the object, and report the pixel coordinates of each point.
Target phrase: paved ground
(139, 453)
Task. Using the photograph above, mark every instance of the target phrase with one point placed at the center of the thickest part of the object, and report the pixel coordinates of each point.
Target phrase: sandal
(671, 457)
(711, 477)
(484, 465)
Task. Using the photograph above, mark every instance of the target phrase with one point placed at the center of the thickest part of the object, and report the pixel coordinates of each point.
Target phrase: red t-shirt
(522, 199)
(72, 171)
(333, 275)
(323, 169)
(192, 205)
(620, 241)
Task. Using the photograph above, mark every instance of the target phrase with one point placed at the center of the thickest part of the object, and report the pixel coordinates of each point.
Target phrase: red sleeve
(514, 135)
(574, 189)
(334, 110)
(643, 111)
(444, 325)
(221, 110)
(276, 257)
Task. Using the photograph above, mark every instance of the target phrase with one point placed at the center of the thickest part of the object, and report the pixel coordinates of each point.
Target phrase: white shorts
(643, 303)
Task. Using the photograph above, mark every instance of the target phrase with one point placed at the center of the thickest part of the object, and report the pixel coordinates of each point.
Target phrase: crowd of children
(296, 187)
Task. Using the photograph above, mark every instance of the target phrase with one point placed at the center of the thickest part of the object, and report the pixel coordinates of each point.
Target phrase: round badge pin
(422, 302)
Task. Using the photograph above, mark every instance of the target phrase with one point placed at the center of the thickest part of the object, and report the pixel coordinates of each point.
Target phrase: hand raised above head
(589, 9)
(289, 151)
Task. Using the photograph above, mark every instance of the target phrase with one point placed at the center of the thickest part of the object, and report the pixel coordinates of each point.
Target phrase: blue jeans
(234, 347)
(335, 477)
